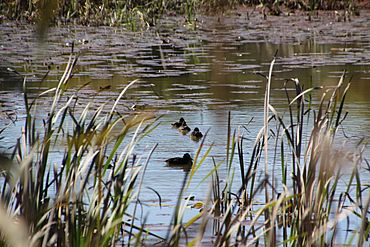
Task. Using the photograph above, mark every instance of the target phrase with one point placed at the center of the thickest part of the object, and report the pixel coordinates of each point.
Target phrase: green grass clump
(137, 14)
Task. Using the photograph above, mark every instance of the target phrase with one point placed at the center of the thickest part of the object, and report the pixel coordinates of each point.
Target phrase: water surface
(200, 74)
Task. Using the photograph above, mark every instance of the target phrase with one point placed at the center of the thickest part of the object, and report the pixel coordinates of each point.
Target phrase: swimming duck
(184, 129)
(186, 160)
(179, 123)
(196, 135)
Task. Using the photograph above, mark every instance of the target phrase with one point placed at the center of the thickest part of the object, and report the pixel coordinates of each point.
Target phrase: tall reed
(304, 204)
(83, 197)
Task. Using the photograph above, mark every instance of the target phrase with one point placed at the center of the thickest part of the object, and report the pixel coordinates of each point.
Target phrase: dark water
(199, 74)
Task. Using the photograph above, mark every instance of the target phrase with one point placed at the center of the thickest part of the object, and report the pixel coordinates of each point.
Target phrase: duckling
(184, 129)
(179, 123)
(196, 135)
(186, 160)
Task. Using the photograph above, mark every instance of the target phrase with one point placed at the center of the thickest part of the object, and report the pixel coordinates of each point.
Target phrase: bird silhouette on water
(196, 135)
(179, 123)
(185, 160)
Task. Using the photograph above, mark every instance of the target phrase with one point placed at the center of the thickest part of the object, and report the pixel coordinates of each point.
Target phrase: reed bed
(132, 14)
(303, 203)
(139, 14)
(84, 199)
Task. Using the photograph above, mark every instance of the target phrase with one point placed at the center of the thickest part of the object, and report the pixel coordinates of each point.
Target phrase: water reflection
(200, 75)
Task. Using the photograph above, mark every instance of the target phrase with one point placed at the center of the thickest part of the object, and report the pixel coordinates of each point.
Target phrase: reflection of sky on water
(200, 75)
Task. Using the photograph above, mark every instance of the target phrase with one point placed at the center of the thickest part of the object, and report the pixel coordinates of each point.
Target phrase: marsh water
(200, 74)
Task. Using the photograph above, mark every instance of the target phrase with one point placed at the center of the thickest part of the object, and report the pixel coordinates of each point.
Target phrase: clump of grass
(306, 209)
(133, 14)
(81, 199)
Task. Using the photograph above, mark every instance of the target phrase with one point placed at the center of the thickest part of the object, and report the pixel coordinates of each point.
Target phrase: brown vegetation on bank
(139, 12)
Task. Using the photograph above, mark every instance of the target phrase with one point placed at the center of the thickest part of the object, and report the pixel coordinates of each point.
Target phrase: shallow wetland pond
(200, 74)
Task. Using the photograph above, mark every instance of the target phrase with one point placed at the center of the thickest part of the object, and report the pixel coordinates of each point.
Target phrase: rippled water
(199, 74)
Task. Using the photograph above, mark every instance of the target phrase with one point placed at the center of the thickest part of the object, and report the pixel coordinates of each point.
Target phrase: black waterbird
(179, 123)
(196, 135)
(186, 160)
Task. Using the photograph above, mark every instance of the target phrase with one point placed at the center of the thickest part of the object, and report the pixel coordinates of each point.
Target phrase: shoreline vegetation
(91, 197)
(137, 14)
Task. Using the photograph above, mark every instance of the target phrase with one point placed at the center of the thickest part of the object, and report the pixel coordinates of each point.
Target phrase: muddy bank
(19, 42)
